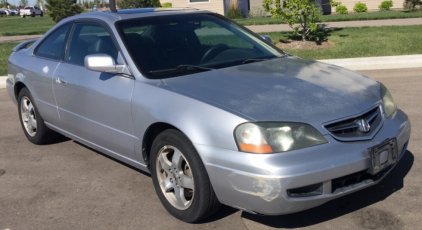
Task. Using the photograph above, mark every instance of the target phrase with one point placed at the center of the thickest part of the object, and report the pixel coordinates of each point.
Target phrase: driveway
(66, 185)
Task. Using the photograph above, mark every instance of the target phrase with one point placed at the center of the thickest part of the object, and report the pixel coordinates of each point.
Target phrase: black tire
(33, 14)
(23, 16)
(42, 14)
(204, 201)
(42, 134)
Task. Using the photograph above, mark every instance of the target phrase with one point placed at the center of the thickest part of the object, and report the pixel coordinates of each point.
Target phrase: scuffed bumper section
(267, 189)
(258, 183)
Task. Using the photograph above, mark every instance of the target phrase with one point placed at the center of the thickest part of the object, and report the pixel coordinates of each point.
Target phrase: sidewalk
(387, 22)
(20, 38)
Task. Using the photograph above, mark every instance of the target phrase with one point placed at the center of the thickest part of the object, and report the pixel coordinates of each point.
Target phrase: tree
(412, 4)
(129, 4)
(23, 3)
(61, 9)
(304, 12)
(3, 4)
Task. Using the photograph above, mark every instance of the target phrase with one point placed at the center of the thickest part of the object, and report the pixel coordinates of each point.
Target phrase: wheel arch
(17, 88)
(149, 136)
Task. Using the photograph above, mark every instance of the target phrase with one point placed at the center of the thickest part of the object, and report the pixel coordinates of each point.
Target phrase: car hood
(282, 89)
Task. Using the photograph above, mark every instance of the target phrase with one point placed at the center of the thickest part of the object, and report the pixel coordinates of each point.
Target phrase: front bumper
(258, 183)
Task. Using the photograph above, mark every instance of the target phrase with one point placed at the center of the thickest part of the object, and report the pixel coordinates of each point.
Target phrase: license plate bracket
(383, 155)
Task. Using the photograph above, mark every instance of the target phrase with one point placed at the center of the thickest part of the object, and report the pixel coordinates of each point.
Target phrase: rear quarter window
(53, 45)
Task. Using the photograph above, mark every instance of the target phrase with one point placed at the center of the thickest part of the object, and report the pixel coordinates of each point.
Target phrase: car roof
(111, 17)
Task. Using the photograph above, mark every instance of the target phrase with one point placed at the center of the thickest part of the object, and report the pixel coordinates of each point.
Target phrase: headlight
(388, 101)
(276, 137)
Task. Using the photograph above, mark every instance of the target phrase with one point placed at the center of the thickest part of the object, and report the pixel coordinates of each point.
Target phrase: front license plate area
(383, 155)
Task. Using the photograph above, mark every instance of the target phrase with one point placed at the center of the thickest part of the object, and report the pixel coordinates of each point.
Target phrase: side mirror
(267, 39)
(103, 63)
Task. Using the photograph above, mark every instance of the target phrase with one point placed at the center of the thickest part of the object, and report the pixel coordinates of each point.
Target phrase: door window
(89, 38)
(53, 45)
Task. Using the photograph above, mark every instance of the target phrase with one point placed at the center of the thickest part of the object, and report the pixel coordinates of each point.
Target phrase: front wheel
(23, 15)
(42, 14)
(180, 178)
(31, 121)
(33, 14)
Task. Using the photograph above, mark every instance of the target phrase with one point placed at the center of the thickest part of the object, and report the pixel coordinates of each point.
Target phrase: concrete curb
(371, 63)
(3, 82)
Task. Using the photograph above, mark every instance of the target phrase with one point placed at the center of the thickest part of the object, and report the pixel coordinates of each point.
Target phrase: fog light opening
(310, 190)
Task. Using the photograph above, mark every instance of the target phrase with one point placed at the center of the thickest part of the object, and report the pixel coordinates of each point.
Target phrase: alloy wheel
(175, 177)
(28, 115)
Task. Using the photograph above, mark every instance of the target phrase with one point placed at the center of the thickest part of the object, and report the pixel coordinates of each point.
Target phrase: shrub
(167, 4)
(61, 9)
(257, 12)
(386, 5)
(360, 7)
(233, 11)
(342, 10)
(129, 4)
(334, 3)
(412, 5)
(305, 12)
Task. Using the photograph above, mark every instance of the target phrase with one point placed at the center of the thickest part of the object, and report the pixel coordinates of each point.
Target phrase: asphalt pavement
(66, 185)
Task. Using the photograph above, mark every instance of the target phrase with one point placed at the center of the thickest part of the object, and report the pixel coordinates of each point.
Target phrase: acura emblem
(363, 125)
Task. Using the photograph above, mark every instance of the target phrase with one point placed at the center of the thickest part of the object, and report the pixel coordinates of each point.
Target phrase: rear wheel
(33, 14)
(23, 15)
(180, 178)
(42, 14)
(31, 121)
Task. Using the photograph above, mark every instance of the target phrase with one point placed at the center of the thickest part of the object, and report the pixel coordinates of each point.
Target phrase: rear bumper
(259, 183)
(10, 86)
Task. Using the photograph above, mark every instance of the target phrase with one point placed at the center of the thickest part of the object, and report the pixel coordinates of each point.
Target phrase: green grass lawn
(348, 43)
(339, 17)
(15, 25)
(363, 42)
(5, 51)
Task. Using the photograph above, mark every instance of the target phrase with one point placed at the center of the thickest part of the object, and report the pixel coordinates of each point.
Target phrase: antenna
(113, 6)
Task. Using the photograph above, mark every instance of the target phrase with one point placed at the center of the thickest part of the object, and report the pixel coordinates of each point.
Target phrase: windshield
(161, 45)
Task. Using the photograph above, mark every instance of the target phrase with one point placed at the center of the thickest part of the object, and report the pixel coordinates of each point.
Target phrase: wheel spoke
(25, 105)
(33, 122)
(177, 160)
(164, 165)
(166, 184)
(186, 182)
(179, 193)
(30, 107)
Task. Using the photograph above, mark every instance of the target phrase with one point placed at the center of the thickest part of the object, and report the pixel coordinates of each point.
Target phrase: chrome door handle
(60, 81)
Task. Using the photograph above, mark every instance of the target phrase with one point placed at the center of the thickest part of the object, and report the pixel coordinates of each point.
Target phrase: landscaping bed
(359, 42)
(339, 17)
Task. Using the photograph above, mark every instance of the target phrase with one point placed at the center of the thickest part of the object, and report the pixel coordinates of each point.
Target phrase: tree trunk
(303, 36)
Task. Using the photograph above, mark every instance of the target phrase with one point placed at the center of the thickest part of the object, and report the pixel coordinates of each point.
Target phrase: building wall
(255, 3)
(213, 5)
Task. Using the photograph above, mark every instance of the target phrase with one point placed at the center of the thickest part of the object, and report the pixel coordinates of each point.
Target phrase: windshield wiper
(253, 60)
(180, 68)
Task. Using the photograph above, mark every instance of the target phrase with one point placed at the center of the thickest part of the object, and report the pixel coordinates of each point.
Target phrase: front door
(94, 106)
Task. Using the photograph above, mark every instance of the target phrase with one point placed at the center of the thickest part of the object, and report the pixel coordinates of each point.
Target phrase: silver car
(216, 113)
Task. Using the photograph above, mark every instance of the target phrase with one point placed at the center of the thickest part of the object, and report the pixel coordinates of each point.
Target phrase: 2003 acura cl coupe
(214, 112)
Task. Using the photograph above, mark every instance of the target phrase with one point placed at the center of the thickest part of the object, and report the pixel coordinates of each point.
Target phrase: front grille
(349, 129)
